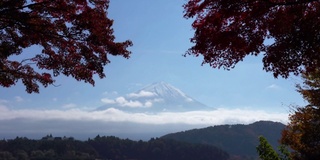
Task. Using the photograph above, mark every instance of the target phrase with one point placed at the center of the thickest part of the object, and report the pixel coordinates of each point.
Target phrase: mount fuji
(156, 97)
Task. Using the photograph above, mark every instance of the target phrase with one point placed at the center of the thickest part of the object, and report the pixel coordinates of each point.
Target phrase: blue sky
(160, 36)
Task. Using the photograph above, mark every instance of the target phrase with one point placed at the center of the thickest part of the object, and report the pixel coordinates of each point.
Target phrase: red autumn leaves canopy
(226, 31)
(75, 36)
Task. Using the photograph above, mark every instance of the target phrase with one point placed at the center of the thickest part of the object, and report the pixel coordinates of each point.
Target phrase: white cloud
(121, 100)
(18, 98)
(133, 104)
(3, 101)
(108, 101)
(148, 104)
(158, 100)
(273, 87)
(214, 117)
(68, 106)
(3, 108)
(142, 93)
(125, 103)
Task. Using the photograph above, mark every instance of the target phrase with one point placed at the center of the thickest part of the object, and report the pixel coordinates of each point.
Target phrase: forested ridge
(105, 148)
(238, 140)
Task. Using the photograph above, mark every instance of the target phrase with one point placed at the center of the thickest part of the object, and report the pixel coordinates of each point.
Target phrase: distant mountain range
(156, 97)
(237, 140)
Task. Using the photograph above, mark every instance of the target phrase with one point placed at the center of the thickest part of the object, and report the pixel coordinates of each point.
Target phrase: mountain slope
(239, 140)
(156, 97)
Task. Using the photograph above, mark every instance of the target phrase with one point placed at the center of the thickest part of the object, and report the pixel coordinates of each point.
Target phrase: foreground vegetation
(102, 147)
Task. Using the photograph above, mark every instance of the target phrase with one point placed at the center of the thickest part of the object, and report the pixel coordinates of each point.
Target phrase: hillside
(237, 140)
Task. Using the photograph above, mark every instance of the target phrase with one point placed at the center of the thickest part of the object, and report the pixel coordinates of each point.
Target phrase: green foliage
(285, 154)
(266, 151)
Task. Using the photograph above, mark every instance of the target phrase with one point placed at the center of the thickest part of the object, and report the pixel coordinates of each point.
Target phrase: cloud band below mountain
(116, 122)
(218, 116)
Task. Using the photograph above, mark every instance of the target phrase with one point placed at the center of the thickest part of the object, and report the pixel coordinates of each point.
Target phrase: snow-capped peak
(159, 96)
(163, 89)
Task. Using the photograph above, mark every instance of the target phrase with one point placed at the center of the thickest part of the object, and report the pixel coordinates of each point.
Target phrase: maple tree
(226, 31)
(302, 134)
(75, 37)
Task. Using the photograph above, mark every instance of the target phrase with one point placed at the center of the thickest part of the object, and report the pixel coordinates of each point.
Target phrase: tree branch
(22, 7)
(296, 2)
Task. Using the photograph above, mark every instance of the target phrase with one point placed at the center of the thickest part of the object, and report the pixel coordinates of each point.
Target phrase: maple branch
(3, 10)
(289, 3)
(25, 60)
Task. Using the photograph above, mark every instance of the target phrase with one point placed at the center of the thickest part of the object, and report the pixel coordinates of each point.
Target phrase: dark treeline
(105, 148)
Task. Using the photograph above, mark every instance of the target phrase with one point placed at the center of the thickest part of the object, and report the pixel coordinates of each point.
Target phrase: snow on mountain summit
(155, 97)
(165, 90)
